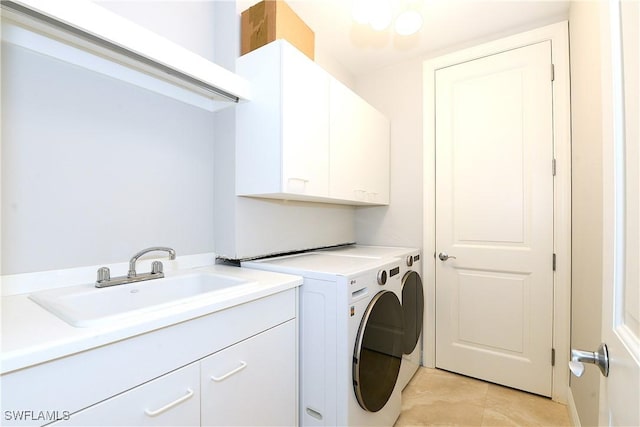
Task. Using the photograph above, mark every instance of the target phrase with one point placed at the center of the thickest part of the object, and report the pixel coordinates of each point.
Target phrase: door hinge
(553, 72)
(553, 167)
(553, 357)
(554, 262)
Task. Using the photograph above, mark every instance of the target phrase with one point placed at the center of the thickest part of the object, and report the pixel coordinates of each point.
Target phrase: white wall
(333, 67)
(249, 227)
(397, 92)
(586, 112)
(187, 23)
(94, 170)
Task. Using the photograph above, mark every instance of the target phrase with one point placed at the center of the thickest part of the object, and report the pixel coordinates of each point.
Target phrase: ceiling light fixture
(360, 12)
(408, 22)
(378, 14)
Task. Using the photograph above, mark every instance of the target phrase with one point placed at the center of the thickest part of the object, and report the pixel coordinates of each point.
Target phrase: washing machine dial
(382, 277)
(409, 260)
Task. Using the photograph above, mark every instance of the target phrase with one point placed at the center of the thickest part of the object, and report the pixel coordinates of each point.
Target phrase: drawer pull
(168, 406)
(243, 365)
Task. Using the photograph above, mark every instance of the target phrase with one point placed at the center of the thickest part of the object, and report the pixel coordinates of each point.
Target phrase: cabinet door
(359, 149)
(345, 159)
(305, 125)
(171, 400)
(252, 383)
(374, 143)
(282, 134)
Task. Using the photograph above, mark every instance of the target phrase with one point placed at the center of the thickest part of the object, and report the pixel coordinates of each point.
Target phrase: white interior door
(620, 391)
(494, 214)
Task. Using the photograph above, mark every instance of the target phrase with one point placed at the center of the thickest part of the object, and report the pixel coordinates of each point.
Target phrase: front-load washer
(412, 298)
(351, 337)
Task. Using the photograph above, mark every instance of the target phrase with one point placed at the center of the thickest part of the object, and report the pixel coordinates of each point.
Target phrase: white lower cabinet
(171, 400)
(252, 383)
(232, 367)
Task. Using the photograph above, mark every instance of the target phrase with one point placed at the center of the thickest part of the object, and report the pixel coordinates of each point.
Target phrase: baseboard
(573, 412)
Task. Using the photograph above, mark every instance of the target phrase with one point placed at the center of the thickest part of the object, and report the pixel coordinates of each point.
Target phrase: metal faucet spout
(105, 279)
(134, 259)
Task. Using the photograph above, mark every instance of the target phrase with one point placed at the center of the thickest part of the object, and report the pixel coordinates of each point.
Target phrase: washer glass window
(378, 351)
(413, 308)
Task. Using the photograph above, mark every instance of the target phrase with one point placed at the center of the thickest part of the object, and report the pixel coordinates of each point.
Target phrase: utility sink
(88, 306)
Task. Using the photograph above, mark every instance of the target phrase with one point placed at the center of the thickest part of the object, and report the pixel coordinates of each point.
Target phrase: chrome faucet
(104, 275)
(134, 259)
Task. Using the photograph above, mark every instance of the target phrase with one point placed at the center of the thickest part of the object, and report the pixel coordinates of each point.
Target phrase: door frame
(559, 35)
(615, 397)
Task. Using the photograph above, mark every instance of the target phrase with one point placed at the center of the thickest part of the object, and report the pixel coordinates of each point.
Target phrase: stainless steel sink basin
(86, 305)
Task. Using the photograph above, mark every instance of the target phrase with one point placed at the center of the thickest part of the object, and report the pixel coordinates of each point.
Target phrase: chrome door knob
(444, 256)
(600, 358)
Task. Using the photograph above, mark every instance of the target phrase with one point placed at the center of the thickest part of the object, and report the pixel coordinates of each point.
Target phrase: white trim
(559, 36)
(618, 393)
(574, 417)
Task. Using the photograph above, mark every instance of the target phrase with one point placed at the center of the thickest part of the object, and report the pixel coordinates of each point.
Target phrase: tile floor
(440, 398)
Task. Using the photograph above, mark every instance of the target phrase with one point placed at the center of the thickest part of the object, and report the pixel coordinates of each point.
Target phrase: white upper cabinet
(282, 135)
(305, 136)
(305, 126)
(87, 35)
(359, 153)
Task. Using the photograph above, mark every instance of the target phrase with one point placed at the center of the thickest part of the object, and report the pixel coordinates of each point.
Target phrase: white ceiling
(448, 24)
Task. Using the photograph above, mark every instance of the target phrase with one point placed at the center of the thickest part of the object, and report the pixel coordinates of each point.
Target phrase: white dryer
(412, 298)
(351, 337)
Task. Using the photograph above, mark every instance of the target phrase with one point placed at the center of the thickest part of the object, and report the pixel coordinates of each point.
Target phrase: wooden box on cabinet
(271, 20)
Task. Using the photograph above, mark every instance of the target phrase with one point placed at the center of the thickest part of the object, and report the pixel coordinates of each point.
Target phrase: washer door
(413, 309)
(378, 351)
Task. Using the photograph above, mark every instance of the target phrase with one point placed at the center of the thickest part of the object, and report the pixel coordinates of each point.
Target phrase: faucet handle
(104, 274)
(156, 267)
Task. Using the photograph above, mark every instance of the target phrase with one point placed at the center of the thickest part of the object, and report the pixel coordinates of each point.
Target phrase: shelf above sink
(90, 36)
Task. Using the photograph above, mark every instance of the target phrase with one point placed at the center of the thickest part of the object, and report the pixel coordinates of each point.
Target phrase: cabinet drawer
(171, 400)
(253, 382)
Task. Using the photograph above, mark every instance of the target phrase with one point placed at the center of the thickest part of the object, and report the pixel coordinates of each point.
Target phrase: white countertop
(32, 335)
